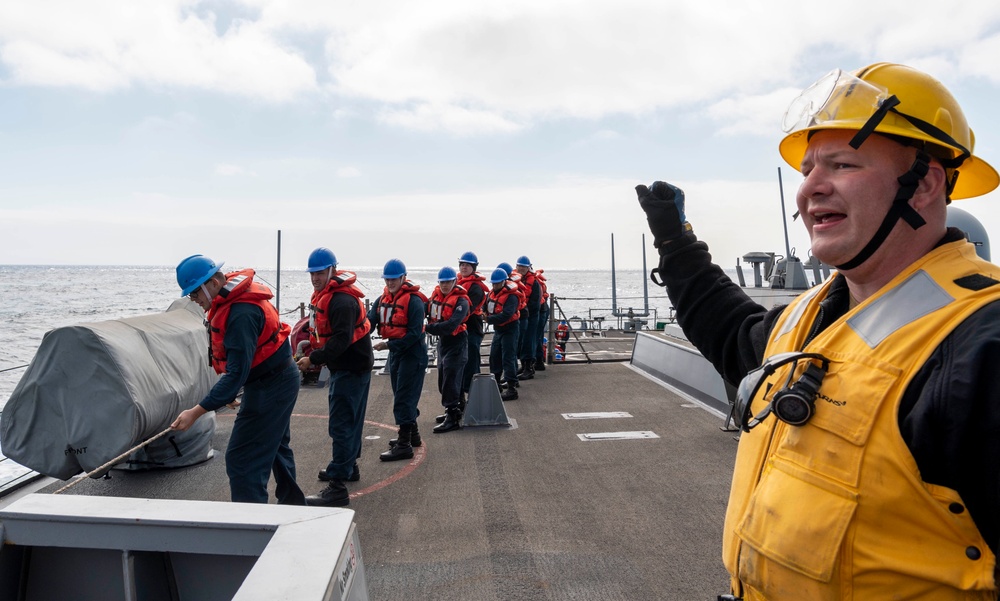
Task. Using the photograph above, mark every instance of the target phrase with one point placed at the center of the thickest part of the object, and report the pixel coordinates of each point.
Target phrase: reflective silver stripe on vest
(230, 285)
(793, 318)
(919, 295)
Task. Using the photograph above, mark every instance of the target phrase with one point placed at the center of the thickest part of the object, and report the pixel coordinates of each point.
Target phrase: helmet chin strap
(908, 182)
(900, 209)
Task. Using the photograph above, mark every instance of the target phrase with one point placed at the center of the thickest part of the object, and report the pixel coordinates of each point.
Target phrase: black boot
(334, 495)
(354, 477)
(453, 421)
(509, 394)
(402, 449)
(463, 400)
(540, 365)
(415, 440)
(527, 370)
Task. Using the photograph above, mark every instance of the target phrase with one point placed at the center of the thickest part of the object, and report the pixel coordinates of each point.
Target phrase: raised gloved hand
(664, 207)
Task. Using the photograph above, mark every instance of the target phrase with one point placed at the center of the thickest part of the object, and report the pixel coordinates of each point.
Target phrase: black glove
(664, 207)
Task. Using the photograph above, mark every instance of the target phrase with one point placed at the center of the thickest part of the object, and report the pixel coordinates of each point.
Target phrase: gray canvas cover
(95, 390)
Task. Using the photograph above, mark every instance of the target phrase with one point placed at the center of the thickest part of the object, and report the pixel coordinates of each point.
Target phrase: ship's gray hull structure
(120, 549)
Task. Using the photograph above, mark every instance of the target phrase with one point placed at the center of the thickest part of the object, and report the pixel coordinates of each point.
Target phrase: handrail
(555, 303)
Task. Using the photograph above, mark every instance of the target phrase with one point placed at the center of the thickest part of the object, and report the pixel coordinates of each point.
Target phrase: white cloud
(452, 119)
(348, 172)
(756, 115)
(473, 68)
(979, 59)
(109, 45)
(229, 170)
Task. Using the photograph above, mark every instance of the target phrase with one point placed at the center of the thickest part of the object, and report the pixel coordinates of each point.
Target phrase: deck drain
(596, 415)
(617, 435)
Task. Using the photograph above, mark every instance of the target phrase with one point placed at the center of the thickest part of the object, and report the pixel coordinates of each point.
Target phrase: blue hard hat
(524, 261)
(499, 275)
(506, 267)
(469, 257)
(195, 271)
(394, 268)
(320, 259)
(447, 274)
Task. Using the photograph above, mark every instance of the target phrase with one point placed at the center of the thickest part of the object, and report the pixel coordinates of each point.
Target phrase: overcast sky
(143, 132)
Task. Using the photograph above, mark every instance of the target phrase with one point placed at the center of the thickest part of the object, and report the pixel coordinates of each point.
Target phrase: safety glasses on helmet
(794, 403)
(845, 101)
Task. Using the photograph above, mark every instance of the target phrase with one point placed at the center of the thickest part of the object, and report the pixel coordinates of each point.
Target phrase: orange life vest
(543, 283)
(475, 280)
(393, 310)
(441, 307)
(342, 282)
(562, 331)
(496, 300)
(240, 288)
(522, 291)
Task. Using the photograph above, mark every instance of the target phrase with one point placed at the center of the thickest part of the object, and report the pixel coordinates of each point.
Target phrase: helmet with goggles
(897, 101)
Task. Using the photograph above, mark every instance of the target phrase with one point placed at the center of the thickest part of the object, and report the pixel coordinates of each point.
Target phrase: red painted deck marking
(419, 454)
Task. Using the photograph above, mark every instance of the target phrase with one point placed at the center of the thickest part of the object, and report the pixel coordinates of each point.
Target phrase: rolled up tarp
(95, 390)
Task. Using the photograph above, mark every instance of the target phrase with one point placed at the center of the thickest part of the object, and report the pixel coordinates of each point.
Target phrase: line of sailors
(250, 347)
(512, 299)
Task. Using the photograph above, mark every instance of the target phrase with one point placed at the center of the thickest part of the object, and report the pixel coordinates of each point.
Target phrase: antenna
(277, 288)
(614, 285)
(784, 220)
(645, 280)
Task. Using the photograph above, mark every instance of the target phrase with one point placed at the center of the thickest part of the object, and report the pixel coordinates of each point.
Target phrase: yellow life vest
(836, 508)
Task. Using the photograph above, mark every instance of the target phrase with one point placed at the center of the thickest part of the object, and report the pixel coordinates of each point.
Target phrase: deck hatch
(596, 415)
(617, 435)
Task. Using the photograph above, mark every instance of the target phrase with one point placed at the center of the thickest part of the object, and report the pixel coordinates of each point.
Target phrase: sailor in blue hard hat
(529, 319)
(249, 346)
(476, 287)
(341, 340)
(447, 314)
(398, 316)
(502, 312)
(192, 273)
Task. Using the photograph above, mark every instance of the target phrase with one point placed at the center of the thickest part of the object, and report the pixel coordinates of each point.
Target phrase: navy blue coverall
(407, 361)
(260, 440)
(453, 354)
(350, 368)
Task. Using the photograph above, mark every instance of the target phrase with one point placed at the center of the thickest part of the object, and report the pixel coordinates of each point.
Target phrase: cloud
(452, 119)
(473, 69)
(107, 46)
(755, 115)
(227, 170)
(348, 172)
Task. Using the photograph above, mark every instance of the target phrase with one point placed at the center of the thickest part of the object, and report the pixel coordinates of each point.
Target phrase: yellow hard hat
(868, 98)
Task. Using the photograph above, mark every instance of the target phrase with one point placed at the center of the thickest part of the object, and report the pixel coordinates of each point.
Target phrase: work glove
(664, 207)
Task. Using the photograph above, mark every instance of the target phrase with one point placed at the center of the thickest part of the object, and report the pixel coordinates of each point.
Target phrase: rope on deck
(113, 461)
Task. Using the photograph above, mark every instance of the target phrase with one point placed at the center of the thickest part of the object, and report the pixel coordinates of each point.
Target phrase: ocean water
(37, 299)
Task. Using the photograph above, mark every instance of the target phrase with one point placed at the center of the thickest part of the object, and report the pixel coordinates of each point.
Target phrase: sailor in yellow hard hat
(869, 459)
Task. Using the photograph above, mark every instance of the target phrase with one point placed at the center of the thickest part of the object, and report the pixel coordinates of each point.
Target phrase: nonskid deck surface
(528, 512)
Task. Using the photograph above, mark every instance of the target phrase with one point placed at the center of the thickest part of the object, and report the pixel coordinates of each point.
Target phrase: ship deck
(531, 511)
